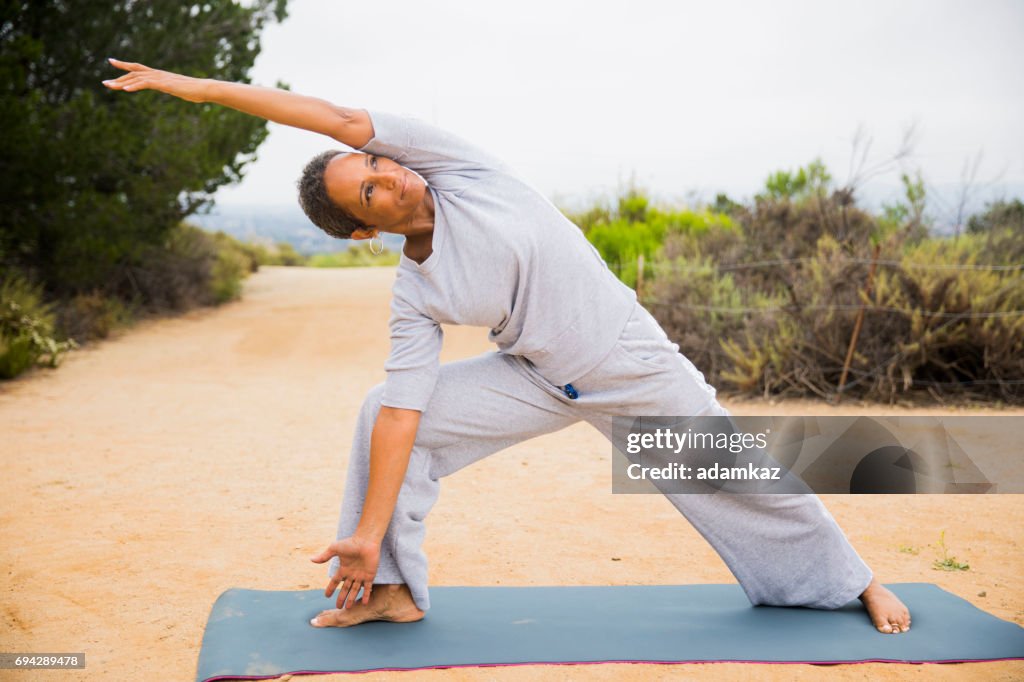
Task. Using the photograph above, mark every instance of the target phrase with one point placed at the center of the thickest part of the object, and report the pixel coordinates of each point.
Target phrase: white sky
(682, 96)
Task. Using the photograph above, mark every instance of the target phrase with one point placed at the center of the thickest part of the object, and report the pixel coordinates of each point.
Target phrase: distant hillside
(263, 224)
(287, 223)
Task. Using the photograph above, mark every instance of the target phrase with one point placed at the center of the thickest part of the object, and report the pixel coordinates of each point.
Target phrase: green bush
(173, 276)
(694, 305)
(635, 229)
(191, 268)
(954, 325)
(26, 328)
(229, 269)
(246, 255)
(235, 260)
(934, 324)
(999, 215)
(764, 297)
(281, 253)
(87, 317)
(285, 254)
(357, 256)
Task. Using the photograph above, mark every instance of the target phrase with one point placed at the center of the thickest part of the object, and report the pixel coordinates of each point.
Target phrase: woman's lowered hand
(358, 565)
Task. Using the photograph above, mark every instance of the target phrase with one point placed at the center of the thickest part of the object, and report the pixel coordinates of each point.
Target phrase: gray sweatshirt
(503, 258)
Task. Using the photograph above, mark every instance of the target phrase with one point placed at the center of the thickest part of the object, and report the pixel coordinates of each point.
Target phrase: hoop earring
(380, 249)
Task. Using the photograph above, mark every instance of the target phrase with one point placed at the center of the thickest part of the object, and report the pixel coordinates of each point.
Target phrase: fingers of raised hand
(138, 83)
(128, 66)
(128, 82)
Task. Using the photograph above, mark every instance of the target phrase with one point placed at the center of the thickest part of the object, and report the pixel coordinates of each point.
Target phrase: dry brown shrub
(949, 329)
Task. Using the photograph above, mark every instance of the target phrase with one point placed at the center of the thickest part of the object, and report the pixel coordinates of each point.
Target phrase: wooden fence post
(858, 323)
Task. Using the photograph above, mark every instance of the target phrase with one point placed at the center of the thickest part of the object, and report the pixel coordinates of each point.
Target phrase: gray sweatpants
(783, 549)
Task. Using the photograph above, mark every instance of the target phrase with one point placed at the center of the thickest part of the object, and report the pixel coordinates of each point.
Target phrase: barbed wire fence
(860, 375)
(728, 267)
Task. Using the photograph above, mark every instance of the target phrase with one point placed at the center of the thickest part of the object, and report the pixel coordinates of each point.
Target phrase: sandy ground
(154, 471)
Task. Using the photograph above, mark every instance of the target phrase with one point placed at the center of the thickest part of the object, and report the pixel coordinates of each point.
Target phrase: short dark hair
(325, 214)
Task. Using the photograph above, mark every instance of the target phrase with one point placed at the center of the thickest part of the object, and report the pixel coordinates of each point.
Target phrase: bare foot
(885, 609)
(387, 602)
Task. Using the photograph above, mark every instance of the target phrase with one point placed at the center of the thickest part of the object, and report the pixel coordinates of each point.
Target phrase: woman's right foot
(885, 609)
(392, 603)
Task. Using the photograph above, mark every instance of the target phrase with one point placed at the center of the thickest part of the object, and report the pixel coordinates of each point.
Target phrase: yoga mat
(256, 634)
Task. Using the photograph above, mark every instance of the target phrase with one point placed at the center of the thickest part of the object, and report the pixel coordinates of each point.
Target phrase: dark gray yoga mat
(255, 634)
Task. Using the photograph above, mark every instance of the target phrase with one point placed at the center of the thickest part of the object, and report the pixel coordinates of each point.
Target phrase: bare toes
(325, 619)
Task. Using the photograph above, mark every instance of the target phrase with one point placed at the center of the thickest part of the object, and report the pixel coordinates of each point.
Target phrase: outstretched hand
(141, 77)
(359, 559)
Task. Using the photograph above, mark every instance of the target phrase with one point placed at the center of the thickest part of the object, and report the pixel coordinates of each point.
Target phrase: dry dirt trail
(153, 471)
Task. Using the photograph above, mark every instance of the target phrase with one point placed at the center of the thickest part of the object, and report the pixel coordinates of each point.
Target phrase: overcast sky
(683, 97)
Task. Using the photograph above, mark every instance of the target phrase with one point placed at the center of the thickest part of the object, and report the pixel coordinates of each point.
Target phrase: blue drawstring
(571, 392)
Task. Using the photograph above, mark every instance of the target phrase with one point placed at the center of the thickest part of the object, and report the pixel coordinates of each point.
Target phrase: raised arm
(351, 127)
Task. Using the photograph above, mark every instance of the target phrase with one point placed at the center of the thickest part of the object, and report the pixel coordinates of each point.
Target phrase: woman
(483, 248)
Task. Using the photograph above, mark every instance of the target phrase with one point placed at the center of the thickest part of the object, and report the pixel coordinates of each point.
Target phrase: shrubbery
(97, 183)
(281, 253)
(26, 328)
(764, 300)
(635, 229)
(191, 268)
(92, 316)
(357, 256)
(90, 176)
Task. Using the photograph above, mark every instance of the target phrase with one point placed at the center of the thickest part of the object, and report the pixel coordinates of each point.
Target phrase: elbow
(352, 127)
(398, 418)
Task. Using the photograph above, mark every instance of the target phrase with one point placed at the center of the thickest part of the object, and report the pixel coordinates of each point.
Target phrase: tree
(90, 178)
(813, 180)
(999, 215)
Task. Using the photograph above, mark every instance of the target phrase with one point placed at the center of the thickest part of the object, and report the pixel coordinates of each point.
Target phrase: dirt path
(154, 471)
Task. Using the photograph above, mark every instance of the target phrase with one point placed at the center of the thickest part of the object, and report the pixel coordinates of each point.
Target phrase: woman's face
(376, 190)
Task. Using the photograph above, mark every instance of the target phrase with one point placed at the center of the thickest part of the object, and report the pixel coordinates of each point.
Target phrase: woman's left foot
(886, 610)
(392, 603)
